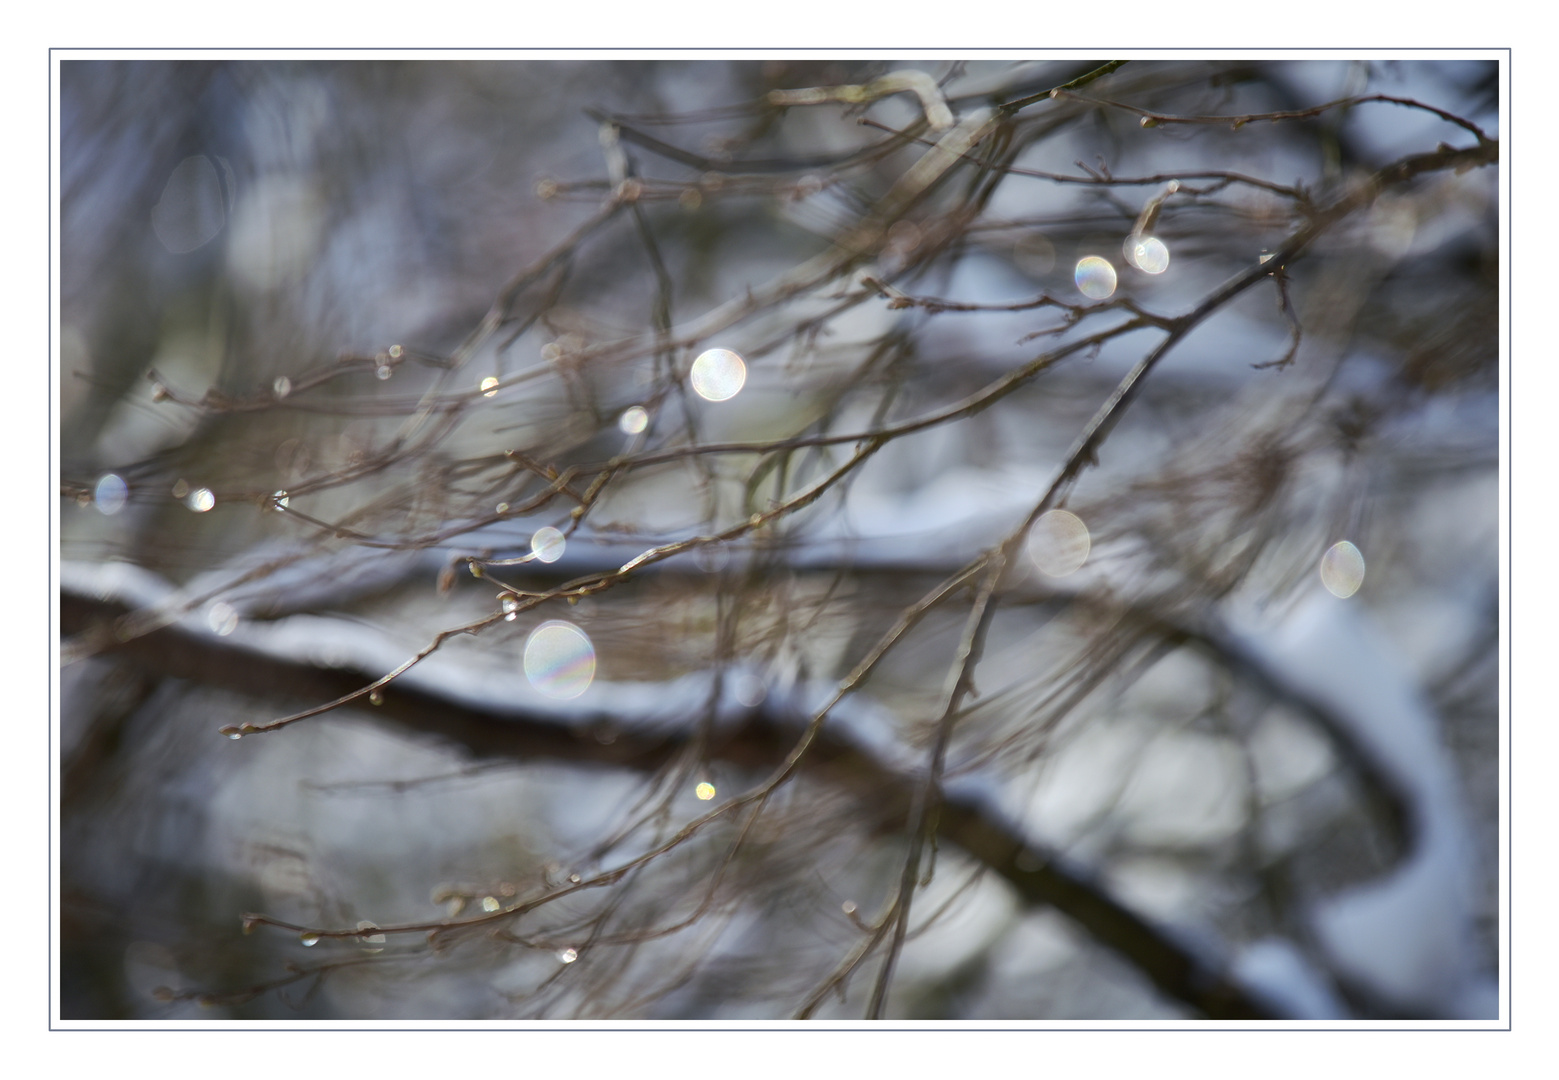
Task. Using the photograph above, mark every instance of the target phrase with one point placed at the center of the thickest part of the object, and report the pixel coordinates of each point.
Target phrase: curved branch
(1040, 876)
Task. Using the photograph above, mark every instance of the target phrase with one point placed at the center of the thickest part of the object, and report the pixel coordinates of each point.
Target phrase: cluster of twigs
(938, 172)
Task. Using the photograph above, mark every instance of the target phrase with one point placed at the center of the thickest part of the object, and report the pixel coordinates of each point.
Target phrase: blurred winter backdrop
(864, 612)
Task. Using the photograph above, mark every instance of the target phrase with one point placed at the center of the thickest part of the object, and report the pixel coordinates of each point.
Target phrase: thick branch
(1039, 876)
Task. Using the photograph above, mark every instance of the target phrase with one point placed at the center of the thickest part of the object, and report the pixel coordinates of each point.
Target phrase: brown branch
(1295, 331)
(1045, 95)
(1154, 119)
(1040, 876)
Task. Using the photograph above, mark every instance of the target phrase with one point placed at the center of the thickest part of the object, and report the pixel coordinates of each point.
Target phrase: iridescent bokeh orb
(559, 660)
(1342, 569)
(547, 544)
(1059, 543)
(1095, 277)
(718, 375)
(1148, 254)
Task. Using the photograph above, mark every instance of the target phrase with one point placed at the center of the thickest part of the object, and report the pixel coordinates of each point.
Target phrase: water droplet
(559, 660)
(547, 544)
(83, 500)
(1172, 187)
(308, 940)
(750, 690)
(251, 922)
(575, 878)
(690, 199)
(848, 907)
(159, 392)
(200, 500)
(281, 387)
(633, 420)
(1058, 543)
(231, 732)
(163, 993)
(551, 352)
(711, 558)
(489, 386)
(1342, 569)
(568, 956)
(546, 188)
(371, 943)
(279, 499)
(1147, 253)
(1095, 277)
(490, 903)
(501, 508)
(180, 489)
(222, 618)
(1034, 254)
(376, 697)
(705, 791)
(1266, 256)
(718, 375)
(110, 494)
(384, 371)
(395, 352)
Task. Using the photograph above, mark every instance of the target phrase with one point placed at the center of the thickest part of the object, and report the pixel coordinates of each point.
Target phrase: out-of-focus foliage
(1073, 593)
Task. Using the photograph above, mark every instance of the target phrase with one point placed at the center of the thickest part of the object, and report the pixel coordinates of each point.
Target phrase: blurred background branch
(644, 566)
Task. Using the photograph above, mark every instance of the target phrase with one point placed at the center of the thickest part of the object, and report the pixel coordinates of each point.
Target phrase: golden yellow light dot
(489, 386)
(705, 791)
